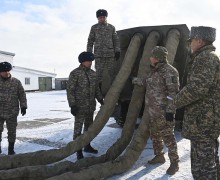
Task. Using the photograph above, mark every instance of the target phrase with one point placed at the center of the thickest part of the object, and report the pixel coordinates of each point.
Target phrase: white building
(32, 80)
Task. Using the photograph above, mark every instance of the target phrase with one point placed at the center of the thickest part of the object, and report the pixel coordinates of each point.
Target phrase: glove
(74, 110)
(101, 102)
(117, 55)
(169, 117)
(23, 111)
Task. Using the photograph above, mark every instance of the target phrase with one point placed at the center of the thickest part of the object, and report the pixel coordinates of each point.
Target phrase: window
(27, 81)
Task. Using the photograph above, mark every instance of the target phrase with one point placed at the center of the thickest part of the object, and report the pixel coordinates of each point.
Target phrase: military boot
(11, 148)
(174, 167)
(79, 155)
(0, 149)
(157, 159)
(90, 149)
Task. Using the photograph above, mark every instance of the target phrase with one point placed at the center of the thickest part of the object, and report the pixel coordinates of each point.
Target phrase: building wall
(34, 84)
(28, 77)
(32, 75)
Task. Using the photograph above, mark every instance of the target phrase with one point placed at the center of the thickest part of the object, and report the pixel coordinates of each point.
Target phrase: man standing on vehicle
(12, 96)
(104, 39)
(201, 99)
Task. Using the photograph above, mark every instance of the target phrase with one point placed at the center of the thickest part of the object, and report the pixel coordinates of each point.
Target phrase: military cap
(101, 12)
(159, 52)
(86, 56)
(202, 32)
(5, 66)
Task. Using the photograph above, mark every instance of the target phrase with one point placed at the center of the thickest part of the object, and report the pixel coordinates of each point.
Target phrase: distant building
(61, 83)
(32, 80)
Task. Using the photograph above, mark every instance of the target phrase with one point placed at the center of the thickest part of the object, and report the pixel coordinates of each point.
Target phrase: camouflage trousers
(205, 159)
(162, 132)
(82, 118)
(11, 125)
(107, 63)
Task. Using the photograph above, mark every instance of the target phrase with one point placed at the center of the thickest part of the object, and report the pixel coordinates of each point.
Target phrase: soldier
(12, 96)
(201, 99)
(161, 85)
(106, 45)
(82, 89)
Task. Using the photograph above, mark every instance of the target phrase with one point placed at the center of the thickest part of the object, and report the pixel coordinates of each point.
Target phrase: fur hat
(5, 66)
(160, 53)
(202, 32)
(86, 56)
(101, 12)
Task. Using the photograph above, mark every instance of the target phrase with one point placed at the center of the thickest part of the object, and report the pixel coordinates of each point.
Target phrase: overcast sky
(48, 35)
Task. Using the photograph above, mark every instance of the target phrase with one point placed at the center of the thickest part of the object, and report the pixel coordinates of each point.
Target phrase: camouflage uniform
(82, 89)
(163, 82)
(11, 96)
(106, 42)
(201, 99)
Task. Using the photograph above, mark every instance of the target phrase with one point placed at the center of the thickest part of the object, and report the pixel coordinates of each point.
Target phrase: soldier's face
(87, 64)
(153, 61)
(5, 74)
(196, 44)
(102, 19)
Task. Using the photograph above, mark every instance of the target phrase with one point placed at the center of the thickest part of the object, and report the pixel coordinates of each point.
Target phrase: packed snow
(48, 124)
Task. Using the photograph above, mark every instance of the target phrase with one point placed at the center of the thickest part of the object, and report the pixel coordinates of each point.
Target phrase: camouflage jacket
(163, 82)
(200, 96)
(104, 39)
(82, 89)
(11, 96)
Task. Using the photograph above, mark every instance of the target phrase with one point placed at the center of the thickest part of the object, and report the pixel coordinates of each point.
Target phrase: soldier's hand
(117, 55)
(169, 117)
(23, 111)
(74, 110)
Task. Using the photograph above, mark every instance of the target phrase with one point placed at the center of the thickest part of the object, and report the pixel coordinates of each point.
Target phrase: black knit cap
(86, 56)
(101, 12)
(5, 66)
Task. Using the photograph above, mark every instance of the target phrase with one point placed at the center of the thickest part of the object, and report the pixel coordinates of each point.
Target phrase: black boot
(90, 149)
(0, 149)
(11, 148)
(79, 155)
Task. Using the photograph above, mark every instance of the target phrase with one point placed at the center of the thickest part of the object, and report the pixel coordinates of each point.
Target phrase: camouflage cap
(5, 66)
(101, 12)
(160, 53)
(202, 32)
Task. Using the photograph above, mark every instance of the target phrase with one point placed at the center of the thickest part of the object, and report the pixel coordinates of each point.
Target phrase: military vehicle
(173, 37)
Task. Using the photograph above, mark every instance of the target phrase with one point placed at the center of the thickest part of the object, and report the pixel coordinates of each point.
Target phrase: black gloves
(101, 102)
(23, 111)
(117, 55)
(169, 117)
(74, 110)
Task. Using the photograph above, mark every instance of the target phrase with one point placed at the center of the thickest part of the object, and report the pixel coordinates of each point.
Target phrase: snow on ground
(48, 124)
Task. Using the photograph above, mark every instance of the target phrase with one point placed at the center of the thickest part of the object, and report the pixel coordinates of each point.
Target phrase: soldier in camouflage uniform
(161, 86)
(82, 89)
(104, 39)
(201, 99)
(12, 96)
